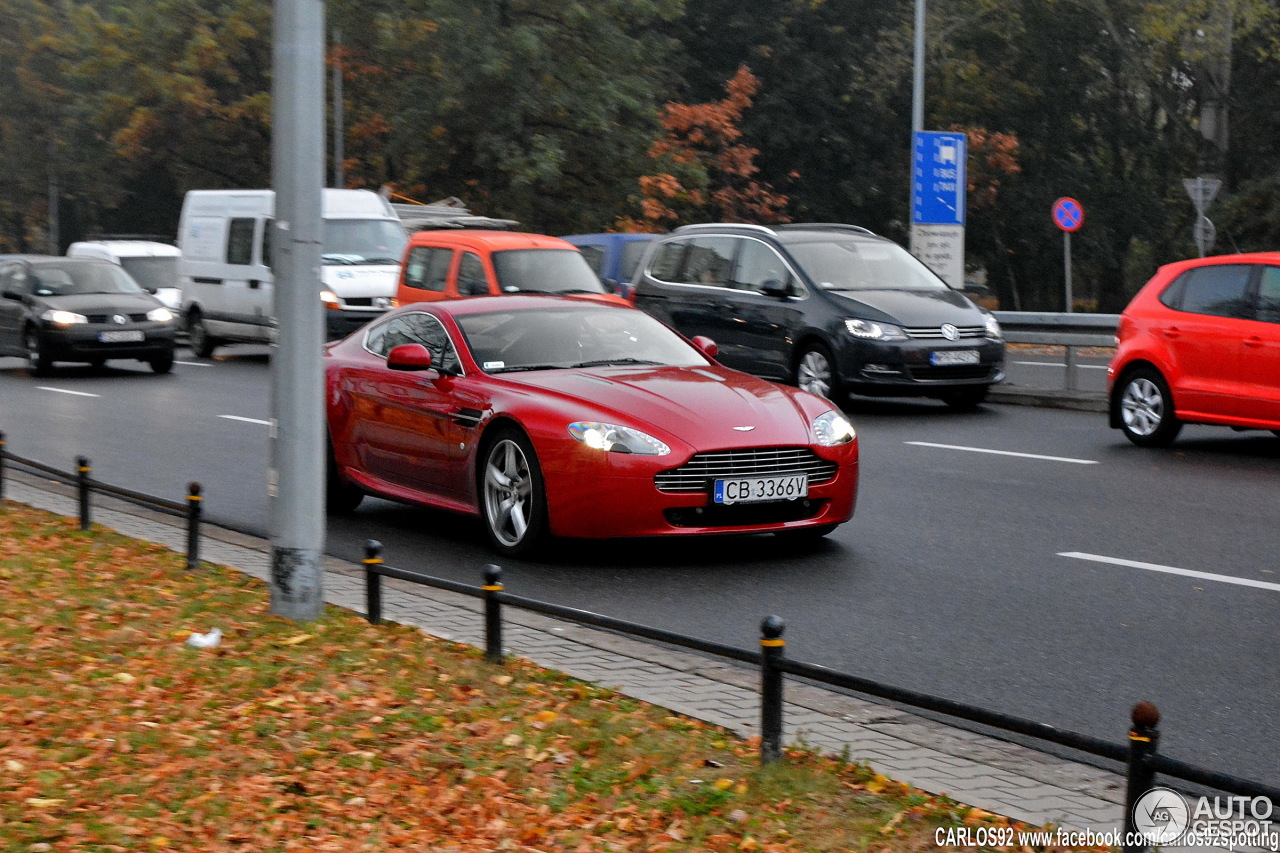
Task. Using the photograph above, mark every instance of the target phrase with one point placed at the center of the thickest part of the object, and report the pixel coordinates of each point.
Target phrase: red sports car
(549, 416)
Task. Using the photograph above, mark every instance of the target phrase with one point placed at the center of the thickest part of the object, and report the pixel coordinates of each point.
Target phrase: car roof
(57, 260)
(518, 302)
(494, 241)
(791, 232)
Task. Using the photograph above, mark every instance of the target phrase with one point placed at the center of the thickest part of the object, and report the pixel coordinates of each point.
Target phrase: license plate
(954, 356)
(747, 490)
(121, 337)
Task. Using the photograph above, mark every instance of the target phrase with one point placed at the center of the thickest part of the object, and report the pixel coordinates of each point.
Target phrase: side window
(667, 262)
(1217, 290)
(428, 269)
(426, 330)
(471, 277)
(268, 225)
(1269, 295)
(240, 241)
(759, 266)
(595, 258)
(709, 261)
(1171, 296)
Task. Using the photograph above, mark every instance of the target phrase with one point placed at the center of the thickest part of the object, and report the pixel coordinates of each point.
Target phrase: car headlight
(874, 331)
(832, 428)
(993, 328)
(159, 315)
(63, 318)
(618, 439)
(330, 300)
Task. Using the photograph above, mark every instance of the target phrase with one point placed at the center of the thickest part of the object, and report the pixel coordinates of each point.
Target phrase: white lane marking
(246, 420)
(65, 391)
(1171, 570)
(194, 363)
(1061, 364)
(1004, 453)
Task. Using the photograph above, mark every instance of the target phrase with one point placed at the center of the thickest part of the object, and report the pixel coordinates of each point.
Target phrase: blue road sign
(938, 181)
(1068, 214)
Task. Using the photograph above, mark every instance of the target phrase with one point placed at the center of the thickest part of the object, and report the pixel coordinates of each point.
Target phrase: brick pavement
(995, 775)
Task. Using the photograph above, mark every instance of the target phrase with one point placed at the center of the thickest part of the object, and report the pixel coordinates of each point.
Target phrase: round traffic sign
(1068, 214)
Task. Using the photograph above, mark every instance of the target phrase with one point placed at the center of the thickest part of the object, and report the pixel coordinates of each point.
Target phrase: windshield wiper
(523, 367)
(604, 362)
(336, 258)
(574, 290)
(380, 261)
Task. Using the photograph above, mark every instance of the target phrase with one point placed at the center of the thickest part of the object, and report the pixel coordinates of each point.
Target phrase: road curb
(1082, 401)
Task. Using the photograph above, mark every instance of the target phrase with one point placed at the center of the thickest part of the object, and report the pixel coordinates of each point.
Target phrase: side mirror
(706, 346)
(610, 284)
(776, 289)
(409, 357)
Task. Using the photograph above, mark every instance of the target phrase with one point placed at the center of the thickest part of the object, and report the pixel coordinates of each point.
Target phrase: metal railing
(1070, 331)
(85, 485)
(1139, 755)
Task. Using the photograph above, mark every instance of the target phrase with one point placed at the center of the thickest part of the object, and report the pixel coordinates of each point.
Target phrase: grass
(115, 735)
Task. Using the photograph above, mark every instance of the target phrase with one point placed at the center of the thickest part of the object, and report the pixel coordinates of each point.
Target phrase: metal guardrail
(1140, 755)
(1069, 331)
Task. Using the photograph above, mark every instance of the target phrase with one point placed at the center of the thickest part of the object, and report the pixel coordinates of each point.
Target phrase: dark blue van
(613, 257)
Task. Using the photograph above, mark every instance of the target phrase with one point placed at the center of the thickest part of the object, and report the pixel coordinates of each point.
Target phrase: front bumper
(338, 323)
(596, 495)
(83, 341)
(905, 368)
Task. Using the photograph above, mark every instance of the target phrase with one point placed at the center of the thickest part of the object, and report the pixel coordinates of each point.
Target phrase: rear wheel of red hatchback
(1146, 409)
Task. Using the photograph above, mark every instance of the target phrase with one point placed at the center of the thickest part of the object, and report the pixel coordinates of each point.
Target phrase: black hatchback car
(833, 309)
(71, 309)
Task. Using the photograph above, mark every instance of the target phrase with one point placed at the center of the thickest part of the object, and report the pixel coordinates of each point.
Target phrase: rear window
(544, 271)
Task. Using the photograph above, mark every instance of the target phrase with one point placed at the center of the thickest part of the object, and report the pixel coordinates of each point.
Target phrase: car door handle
(253, 284)
(1254, 341)
(1172, 332)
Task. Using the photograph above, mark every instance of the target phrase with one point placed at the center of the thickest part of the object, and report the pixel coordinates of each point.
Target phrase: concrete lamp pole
(296, 478)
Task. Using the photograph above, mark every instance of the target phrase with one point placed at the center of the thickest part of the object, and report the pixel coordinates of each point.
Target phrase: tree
(705, 172)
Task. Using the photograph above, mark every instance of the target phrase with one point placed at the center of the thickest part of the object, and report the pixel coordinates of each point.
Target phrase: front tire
(1146, 409)
(513, 500)
(38, 360)
(162, 363)
(340, 497)
(202, 343)
(816, 373)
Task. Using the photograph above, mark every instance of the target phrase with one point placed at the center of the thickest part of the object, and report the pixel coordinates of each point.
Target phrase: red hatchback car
(1200, 343)
(547, 416)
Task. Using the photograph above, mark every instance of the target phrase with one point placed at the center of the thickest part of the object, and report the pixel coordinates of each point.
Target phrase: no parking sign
(1068, 214)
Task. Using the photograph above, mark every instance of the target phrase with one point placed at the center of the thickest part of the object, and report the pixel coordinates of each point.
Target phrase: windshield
(363, 241)
(79, 277)
(544, 271)
(152, 273)
(836, 263)
(572, 336)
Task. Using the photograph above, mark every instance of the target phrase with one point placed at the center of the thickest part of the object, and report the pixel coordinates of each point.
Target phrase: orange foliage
(702, 146)
(992, 156)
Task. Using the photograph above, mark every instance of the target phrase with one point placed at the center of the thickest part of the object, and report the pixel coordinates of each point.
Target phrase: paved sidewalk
(977, 770)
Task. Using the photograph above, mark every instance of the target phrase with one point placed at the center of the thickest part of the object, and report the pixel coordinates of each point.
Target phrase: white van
(225, 272)
(152, 264)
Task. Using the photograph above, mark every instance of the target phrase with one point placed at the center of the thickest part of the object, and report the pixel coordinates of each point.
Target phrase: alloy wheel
(1142, 406)
(814, 374)
(508, 493)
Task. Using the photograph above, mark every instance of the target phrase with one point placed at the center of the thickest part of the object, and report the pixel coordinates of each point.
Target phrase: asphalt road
(981, 564)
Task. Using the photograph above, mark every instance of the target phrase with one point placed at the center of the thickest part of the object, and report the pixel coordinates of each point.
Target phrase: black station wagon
(833, 309)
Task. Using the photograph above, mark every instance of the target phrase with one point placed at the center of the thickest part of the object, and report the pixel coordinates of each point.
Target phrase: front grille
(935, 332)
(698, 474)
(743, 515)
(950, 372)
(105, 318)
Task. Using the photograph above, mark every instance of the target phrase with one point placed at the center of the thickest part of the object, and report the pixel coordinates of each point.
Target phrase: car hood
(100, 303)
(911, 307)
(702, 406)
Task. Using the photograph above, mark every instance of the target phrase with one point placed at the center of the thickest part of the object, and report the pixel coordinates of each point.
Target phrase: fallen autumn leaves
(117, 735)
